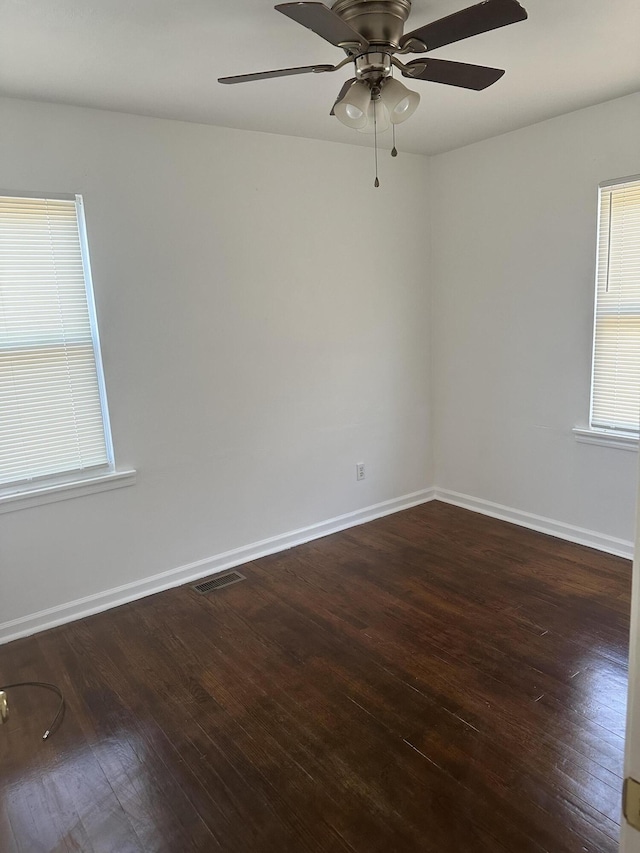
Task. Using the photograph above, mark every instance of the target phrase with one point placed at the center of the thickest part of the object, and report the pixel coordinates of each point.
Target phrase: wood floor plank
(35, 791)
(576, 817)
(434, 681)
(547, 666)
(251, 779)
(596, 743)
(251, 710)
(319, 721)
(540, 755)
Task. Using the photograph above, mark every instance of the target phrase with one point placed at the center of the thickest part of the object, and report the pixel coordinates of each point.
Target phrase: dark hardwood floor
(432, 681)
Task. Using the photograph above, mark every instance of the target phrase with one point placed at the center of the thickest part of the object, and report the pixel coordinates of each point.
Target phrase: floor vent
(218, 582)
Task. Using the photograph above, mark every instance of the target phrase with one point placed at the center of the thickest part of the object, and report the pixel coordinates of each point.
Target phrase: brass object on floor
(4, 707)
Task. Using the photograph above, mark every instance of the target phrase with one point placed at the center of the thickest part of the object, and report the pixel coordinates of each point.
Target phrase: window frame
(95, 334)
(611, 436)
(63, 485)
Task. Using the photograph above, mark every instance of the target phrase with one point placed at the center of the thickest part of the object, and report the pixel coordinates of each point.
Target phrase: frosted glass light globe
(352, 108)
(400, 101)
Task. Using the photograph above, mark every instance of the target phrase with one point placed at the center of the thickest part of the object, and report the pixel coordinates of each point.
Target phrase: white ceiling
(163, 57)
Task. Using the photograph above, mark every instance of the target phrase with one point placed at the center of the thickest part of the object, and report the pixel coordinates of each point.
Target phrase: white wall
(514, 225)
(263, 329)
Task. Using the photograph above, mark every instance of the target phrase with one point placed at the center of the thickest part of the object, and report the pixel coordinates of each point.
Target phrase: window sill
(618, 440)
(62, 491)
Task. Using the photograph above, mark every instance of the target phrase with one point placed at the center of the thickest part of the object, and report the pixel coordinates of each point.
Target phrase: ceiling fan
(371, 34)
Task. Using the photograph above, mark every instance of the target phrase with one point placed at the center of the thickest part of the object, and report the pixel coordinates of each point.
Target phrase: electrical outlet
(360, 471)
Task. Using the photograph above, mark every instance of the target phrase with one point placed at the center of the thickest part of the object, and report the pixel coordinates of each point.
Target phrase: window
(53, 412)
(615, 387)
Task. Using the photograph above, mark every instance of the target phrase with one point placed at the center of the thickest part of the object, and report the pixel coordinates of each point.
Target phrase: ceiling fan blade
(281, 72)
(324, 23)
(461, 74)
(481, 18)
(342, 93)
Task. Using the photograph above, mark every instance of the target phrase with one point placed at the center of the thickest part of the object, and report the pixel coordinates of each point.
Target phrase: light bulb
(402, 107)
(353, 112)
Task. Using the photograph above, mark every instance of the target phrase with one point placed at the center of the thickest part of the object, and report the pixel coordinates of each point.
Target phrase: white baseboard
(192, 572)
(579, 535)
(82, 607)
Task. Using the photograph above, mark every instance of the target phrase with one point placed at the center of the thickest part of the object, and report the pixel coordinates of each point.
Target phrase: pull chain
(394, 150)
(376, 183)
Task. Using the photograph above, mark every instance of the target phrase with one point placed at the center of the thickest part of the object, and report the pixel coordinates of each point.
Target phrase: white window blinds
(52, 412)
(615, 395)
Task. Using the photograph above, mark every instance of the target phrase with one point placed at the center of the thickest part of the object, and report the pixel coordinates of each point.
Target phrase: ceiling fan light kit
(371, 33)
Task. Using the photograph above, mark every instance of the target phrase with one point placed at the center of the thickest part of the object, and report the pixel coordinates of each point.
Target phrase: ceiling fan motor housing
(381, 22)
(373, 67)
